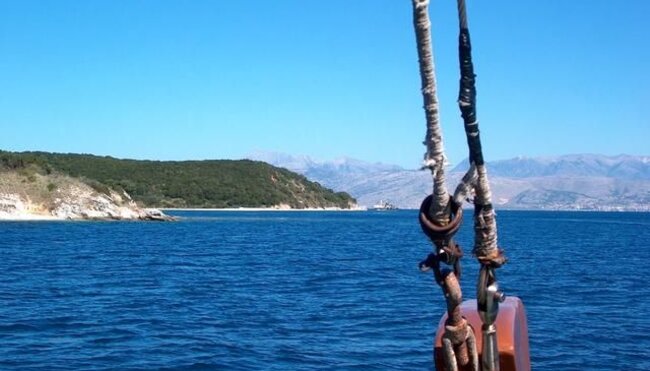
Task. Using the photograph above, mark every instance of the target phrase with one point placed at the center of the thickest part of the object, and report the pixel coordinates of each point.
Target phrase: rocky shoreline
(95, 207)
(274, 208)
(69, 199)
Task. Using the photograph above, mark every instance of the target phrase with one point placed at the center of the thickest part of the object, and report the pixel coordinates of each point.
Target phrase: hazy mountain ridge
(570, 182)
(620, 166)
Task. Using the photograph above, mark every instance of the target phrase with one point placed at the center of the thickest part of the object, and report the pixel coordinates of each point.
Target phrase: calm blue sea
(308, 290)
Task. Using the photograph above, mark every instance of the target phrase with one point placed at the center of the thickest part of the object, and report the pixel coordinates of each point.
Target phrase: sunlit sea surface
(308, 290)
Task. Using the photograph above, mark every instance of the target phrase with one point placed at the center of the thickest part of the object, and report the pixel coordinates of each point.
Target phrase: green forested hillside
(209, 183)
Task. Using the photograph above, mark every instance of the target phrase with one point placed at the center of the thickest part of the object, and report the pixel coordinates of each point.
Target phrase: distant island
(84, 186)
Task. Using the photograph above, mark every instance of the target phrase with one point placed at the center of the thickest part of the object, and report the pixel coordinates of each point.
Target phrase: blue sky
(198, 79)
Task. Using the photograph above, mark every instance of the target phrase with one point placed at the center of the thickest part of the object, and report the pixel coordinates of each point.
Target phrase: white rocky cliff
(58, 197)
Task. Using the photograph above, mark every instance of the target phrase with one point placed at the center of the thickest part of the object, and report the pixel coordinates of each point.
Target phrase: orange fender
(512, 334)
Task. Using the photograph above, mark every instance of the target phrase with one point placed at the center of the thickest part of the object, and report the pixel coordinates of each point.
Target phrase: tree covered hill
(207, 183)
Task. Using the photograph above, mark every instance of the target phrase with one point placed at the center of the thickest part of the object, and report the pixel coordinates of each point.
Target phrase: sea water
(308, 290)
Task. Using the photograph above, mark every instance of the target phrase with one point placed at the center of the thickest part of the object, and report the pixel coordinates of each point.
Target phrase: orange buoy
(512, 334)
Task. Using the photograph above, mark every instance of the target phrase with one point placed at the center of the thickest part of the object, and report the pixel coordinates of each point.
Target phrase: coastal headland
(51, 186)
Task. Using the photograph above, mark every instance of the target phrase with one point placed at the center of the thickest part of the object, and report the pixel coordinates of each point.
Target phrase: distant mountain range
(621, 166)
(569, 182)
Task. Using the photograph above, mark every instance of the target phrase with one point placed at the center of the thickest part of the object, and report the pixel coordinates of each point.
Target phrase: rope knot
(494, 258)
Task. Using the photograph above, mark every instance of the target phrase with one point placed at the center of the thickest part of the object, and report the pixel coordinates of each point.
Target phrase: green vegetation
(209, 183)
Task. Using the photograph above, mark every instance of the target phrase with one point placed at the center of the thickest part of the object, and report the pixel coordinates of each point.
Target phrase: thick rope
(485, 224)
(434, 158)
(466, 186)
(462, 14)
(485, 228)
(440, 216)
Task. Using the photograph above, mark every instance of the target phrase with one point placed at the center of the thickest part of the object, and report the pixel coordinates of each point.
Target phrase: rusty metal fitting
(458, 333)
(449, 255)
(453, 293)
(458, 336)
(440, 235)
(430, 262)
(488, 295)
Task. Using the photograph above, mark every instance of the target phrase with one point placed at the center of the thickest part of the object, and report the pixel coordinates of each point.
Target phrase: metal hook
(488, 299)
